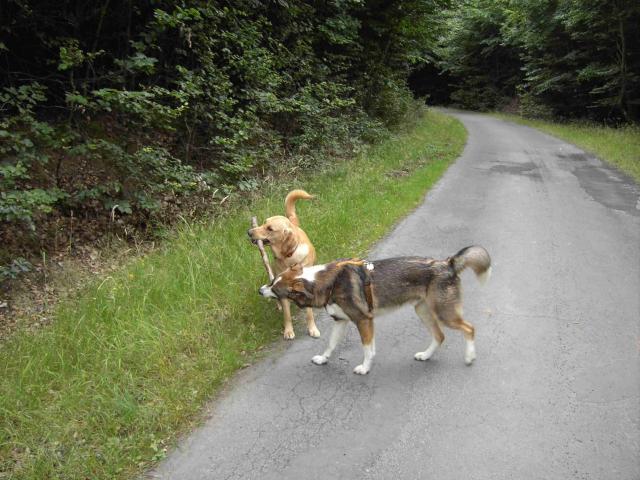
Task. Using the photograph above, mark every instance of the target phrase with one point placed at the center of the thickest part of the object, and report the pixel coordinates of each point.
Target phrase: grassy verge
(619, 146)
(128, 364)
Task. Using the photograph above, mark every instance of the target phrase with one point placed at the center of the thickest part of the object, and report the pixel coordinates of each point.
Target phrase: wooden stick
(265, 258)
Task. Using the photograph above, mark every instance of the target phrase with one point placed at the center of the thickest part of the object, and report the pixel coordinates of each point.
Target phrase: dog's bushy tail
(290, 204)
(475, 257)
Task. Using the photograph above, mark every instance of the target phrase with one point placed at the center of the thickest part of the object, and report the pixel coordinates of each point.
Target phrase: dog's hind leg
(469, 336)
(365, 327)
(311, 324)
(337, 334)
(456, 322)
(430, 321)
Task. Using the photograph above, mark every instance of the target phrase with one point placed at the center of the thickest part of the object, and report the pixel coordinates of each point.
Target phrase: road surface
(555, 390)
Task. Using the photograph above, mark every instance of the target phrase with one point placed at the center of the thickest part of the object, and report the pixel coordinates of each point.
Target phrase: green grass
(618, 146)
(129, 364)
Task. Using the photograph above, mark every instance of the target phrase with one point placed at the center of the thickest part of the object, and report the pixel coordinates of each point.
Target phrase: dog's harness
(368, 290)
(364, 273)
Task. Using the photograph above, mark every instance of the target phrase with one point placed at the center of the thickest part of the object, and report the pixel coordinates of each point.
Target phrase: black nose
(260, 291)
(249, 232)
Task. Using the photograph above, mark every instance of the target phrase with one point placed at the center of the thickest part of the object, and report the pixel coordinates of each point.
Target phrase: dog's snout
(249, 232)
(266, 291)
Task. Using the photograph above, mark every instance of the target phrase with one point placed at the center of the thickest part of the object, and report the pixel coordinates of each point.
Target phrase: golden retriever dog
(290, 245)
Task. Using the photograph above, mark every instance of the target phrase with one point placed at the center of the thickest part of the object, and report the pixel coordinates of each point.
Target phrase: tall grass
(127, 365)
(618, 146)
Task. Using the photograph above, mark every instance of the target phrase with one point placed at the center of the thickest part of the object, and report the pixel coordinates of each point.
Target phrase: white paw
(470, 353)
(422, 356)
(469, 357)
(361, 370)
(319, 359)
(314, 332)
(289, 335)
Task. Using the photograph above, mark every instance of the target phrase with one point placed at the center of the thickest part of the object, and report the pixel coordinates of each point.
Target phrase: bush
(531, 107)
(24, 143)
(394, 104)
(115, 110)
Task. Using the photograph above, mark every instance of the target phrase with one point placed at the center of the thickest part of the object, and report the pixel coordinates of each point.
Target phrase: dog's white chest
(335, 311)
(300, 253)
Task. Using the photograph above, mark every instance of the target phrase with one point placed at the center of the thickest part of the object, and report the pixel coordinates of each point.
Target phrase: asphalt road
(555, 390)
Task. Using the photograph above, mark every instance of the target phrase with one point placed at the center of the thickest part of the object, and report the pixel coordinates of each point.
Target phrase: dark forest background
(126, 113)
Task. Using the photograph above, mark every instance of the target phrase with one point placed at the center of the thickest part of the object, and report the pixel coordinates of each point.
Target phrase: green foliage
(605, 36)
(24, 142)
(24, 204)
(114, 108)
(531, 106)
(120, 104)
(16, 267)
(485, 68)
(564, 58)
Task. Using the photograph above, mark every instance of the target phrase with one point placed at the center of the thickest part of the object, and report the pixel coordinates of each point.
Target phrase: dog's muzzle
(255, 240)
(266, 291)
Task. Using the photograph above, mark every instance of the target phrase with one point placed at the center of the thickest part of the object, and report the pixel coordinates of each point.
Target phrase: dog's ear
(300, 295)
(298, 286)
(289, 243)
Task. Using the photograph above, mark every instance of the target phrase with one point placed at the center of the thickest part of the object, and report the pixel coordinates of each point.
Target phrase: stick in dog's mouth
(256, 240)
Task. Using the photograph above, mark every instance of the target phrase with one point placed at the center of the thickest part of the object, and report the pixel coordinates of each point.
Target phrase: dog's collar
(293, 250)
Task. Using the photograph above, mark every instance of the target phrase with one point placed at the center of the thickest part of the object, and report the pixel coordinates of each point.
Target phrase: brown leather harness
(368, 289)
(365, 268)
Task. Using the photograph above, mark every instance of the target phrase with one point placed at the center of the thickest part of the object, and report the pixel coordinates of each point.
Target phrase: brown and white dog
(357, 290)
(290, 246)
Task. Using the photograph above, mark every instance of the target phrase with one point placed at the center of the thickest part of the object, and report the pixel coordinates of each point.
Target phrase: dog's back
(400, 280)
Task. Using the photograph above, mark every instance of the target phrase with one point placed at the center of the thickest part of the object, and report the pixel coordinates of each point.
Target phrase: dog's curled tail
(290, 204)
(475, 257)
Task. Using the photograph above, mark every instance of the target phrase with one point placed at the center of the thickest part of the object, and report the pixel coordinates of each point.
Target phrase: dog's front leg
(337, 334)
(311, 324)
(288, 325)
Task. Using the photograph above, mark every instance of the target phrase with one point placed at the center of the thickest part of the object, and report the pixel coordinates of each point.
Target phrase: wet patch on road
(528, 169)
(604, 184)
